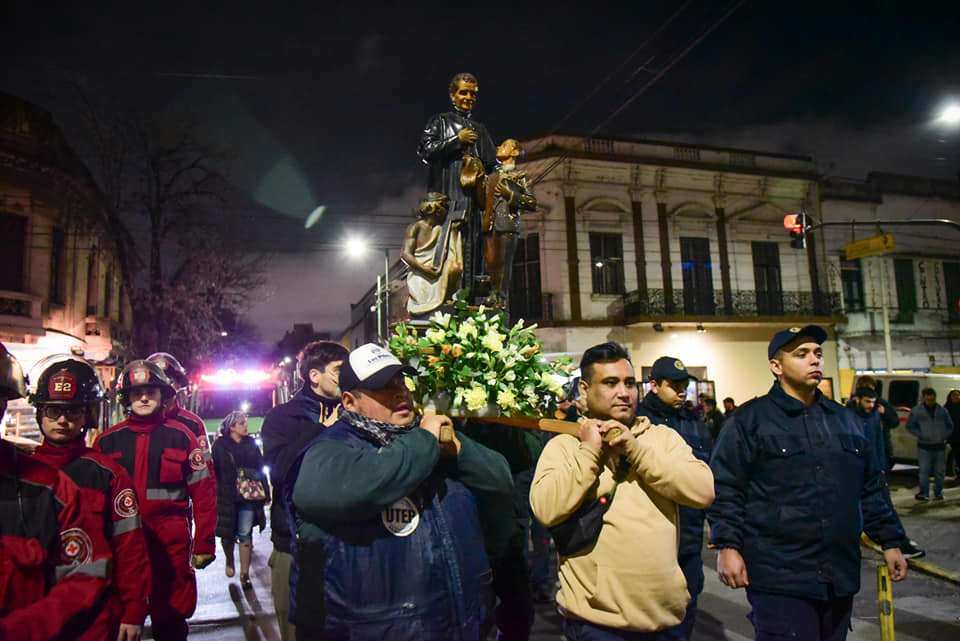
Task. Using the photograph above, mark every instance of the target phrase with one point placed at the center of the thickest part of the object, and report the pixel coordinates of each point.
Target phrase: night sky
(325, 105)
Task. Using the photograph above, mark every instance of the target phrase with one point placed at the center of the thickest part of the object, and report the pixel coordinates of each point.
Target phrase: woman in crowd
(953, 409)
(233, 451)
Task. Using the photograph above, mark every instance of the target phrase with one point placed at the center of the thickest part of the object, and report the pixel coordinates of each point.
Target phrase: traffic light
(797, 224)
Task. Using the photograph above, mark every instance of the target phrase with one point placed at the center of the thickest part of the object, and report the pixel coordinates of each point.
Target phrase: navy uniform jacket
(795, 486)
(695, 433)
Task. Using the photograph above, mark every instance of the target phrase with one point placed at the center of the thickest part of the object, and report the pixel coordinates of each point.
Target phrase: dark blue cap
(669, 368)
(780, 339)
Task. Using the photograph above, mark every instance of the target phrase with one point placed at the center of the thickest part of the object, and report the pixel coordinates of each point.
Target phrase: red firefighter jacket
(196, 425)
(165, 461)
(54, 561)
(107, 492)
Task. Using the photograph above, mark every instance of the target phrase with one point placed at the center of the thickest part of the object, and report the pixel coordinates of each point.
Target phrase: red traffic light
(792, 222)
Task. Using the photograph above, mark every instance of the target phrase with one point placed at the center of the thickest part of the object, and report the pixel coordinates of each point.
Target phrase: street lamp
(950, 114)
(358, 247)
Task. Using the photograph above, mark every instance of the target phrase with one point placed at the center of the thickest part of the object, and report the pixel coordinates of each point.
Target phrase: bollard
(885, 603)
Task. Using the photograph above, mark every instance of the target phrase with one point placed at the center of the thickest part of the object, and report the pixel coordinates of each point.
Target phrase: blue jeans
(244, 529)
(776, 617)
(574, 630)
(931, 462)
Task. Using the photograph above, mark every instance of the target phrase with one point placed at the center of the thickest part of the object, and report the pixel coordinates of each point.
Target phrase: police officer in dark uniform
(795, 479)
(664, 405)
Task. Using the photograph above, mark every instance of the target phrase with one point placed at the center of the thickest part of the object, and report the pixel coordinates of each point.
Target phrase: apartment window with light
(606, 257)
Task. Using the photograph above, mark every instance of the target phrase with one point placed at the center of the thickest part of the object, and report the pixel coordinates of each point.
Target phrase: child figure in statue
(435, 259)
(507, 194)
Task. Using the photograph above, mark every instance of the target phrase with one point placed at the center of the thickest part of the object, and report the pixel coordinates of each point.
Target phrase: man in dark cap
(664, 405)
(389, 542)
(795, 480)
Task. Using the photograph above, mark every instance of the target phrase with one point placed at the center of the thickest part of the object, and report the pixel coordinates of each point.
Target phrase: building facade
(59, 292)
(918, 280)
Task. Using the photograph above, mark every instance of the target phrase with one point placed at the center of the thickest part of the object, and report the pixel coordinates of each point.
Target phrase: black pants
(777, 616)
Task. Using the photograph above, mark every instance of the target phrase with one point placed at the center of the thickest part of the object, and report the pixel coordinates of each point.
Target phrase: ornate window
(766, 278)
(526, 301)
(697, 276)
(606, 258)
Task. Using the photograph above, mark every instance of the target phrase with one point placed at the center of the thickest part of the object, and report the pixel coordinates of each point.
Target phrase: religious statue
(431, 279)
(506, 193)
(459, 152)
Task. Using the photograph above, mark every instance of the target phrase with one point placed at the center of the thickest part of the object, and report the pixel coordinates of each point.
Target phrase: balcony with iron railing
(746, 305)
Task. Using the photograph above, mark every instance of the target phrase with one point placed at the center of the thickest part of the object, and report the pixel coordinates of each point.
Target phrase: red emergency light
(233, 377)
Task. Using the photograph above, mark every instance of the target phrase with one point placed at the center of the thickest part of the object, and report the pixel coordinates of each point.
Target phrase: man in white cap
(389, 541)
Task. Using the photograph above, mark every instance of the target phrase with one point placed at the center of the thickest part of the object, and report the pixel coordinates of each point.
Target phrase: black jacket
(287, 430)
(697, 436)
(228, 455)
(795, 486)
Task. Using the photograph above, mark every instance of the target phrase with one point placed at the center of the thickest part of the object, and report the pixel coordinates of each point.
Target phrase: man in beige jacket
(626, 584)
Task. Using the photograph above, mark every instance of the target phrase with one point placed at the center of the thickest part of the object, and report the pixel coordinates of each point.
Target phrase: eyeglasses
(53, 412)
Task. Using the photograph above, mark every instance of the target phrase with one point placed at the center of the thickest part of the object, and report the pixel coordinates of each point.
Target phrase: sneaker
(910, 550)
(921, 497)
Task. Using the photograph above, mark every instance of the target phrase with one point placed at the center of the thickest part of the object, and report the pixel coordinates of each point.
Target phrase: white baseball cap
(371, 367)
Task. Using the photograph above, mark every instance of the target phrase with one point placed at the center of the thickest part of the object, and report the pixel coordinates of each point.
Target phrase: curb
(923, 567)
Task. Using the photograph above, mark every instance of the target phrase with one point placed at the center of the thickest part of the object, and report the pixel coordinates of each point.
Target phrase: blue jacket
(795, 486)
(286, 431)
(930, 430)
(389, 542)
(695, 433)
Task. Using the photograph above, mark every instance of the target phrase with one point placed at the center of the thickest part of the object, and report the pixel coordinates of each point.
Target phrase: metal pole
(386, 291)
(887, 346)
(379, 326)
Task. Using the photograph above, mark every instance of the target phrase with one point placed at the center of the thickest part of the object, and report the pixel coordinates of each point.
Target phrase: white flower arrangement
(477, 361)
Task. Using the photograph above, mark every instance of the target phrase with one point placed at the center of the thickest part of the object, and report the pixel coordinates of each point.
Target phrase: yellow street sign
(873, 246)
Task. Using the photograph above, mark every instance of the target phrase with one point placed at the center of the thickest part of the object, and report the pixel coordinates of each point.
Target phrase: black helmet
(67, 382)
(13, 384)
(171, 367)
(142, 374)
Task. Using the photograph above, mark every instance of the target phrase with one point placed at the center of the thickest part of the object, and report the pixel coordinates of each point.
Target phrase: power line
(649, 83)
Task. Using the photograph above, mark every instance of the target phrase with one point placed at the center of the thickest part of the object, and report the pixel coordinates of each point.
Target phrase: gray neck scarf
(377, 431)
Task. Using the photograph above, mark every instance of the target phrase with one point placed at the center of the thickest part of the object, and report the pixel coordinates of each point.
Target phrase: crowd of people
(389, 524)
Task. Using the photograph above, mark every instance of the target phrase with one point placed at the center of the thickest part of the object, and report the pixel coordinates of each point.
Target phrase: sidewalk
(933, 525)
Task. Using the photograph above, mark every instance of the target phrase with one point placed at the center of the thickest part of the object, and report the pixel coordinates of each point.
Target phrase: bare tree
(164, 214)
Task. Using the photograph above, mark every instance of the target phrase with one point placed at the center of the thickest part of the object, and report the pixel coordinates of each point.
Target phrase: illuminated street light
(950, 114)
(358, 247)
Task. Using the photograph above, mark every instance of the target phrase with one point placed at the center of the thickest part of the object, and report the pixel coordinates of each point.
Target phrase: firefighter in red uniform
(67, 398)
(54, 562)
(166, 464)
(173, 406)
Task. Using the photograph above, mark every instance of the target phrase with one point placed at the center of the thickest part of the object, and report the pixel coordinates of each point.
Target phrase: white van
(902, 390)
